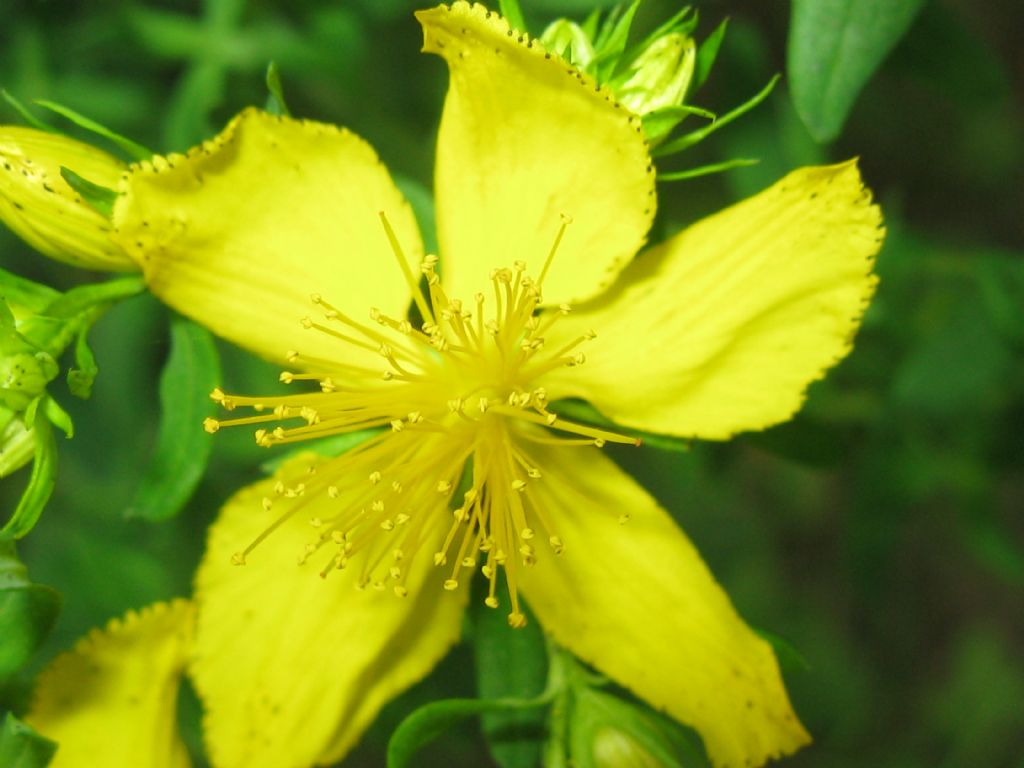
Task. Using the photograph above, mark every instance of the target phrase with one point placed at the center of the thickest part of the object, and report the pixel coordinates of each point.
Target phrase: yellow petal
(635, 599)
(113, 700)
(723, 327)
(524, 140)
(44, 211)
(240, 232)
(292, 667)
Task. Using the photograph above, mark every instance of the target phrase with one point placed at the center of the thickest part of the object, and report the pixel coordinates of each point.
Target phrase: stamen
(414, 285)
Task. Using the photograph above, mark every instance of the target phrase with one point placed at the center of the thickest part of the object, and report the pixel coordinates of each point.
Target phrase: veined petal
(635, 600)
(292, 668)
(238, 233)
(525, 139)
(723, 327)
(44, 211)
(112, 700)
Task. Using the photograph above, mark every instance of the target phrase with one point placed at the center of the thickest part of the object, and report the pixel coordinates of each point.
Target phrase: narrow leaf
(707, 52)
(578, 410)
(182, 447)
(27, 613)
(834, 48)
(513, 14)
(431, 720)
(80, 379)
(27, 116)
(129, 147)
(40, 482)
(704, 170)
(510, 664)
(19, 291)
(276, 104)
(689, 139)
(21, 747)
(98, 197)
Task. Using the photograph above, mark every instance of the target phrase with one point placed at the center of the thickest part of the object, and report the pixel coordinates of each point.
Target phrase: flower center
(454, 406)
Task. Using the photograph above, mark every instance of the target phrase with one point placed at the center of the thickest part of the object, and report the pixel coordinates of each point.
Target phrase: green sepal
(513, 14)
(579, 410)
(56, 326)
(129, 147)
(790, 659)
(25, 114)
(431, 720)
(21, 292)
(707, 52)
(183, 448)
(598, 716)
(510, 664)
(659, 123)
(40, 482)
(27, 613)
(706, 170)
(81, 378)
(99, 198)
(22, 747)
(57, 416)
(687, 140)
(684, 22)
(276, 105)
(332, 446)
(610, 44)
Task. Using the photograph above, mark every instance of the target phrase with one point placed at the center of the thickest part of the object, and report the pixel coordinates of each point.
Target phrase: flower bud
(17, 442)
(660, 76)
(612, 748)
(41, 208)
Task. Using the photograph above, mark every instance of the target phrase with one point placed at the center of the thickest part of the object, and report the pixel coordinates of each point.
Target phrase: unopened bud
(41, 208)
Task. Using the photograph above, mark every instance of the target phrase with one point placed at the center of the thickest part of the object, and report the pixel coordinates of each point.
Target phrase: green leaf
(513, 14)
(789, 657)
(687, 140)
(40, 482)
(834, 47)
(27, 612)
(21, 747)
(129, 147)
(328, 446)
(276, 105)
(27, 116)
(705, 170)
(182, 447)
(100, 198)
(510, 663)
(431, 720)
(80, 379)
(578, 410)
(707, 52)
(19, 291)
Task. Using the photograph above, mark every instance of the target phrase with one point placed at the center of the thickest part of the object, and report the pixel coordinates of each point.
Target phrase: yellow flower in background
(544, 192)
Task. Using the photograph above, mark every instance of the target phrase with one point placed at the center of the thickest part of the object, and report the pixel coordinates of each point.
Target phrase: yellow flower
(544, 192)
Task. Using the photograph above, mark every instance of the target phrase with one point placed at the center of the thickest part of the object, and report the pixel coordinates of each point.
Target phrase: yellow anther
(516, 620)
(307, 323)
(316, 522)
(375, 477)
(415, 417)
(491, 602)
(316, 298)
(396, 486)
(395, 572)
(238, 558)
(332, 491)
(387, 525)
(211, 425)
(402, 518)
(400, 591)
(267, 503)
(397, 425)
(556, 544)
(518, 485)
(599, 442)
(440, 558)
(526, 534)
(443, 486)
(377, 505)
(451, 584)
(337, 537)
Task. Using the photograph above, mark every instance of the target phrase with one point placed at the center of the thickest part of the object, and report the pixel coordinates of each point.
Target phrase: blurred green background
(880, 532)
